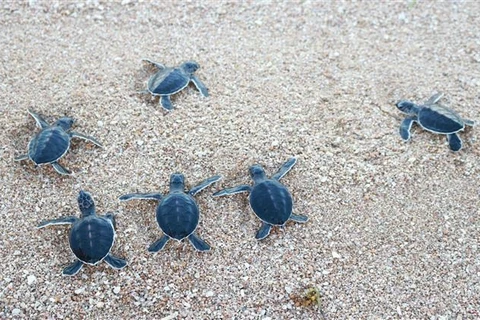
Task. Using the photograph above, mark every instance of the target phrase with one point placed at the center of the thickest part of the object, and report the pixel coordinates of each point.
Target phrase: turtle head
(407, 107)
(177, 182)
(190, 67)
(65, 122)
(86, 204)
(257, 173)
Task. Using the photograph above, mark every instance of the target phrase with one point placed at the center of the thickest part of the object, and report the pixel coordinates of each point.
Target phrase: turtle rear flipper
(198, 243)
(73, 269)
(166, 103)
(115, 262)
(60, 169)
(159, 244)
(454, 142)
(469, 123)
(264, 231)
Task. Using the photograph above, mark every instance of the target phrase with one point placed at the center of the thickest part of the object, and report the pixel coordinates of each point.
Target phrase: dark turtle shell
(271, 202)
(168, 81)
(440, 119)
(91, 238)
(178, 215)
(49, 145)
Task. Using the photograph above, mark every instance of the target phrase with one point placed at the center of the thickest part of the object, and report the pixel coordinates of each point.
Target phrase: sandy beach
(394, 226)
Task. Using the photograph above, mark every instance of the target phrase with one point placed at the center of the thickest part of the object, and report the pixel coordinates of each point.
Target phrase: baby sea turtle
(269, 199)
(168, 81)
(91, 236)
(52, 142)
(435, 118)
(177, 212)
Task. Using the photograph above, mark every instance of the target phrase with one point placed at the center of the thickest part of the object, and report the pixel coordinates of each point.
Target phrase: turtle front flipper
(198, 243)
(200, 86)
(166, 103)
(75, 134)
(156, 64)
(141, 196)
(298, 218)
(434, 99)
(204, 184)
(159, 244)
(115, 262)
(233, 190)
(264, 231)
(405, 128)
(21, 157)
(454, 141)
(287, 166)
(60, 169)
(40, 122)
(73, 269)
(64, 220)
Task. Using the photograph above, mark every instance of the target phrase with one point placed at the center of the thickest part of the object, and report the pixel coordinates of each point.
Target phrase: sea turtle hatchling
(177, 212)
(91, 236)
(52, 142)
(433, 117)
(269, 199)
(168, 81)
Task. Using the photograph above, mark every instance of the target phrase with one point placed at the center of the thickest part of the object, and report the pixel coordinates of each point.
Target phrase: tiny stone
(16, 312)
(80, 291)
(31, 279)
(288, 289)
(171, 316)
(336, 255)
(17, 253)
(116, 290)
(209, 294)
(100, 305)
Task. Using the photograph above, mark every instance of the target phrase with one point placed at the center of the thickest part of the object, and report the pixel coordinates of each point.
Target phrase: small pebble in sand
(80, 291)
(31, 279)
(16, 312)
(209, 294)
(116, 290)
